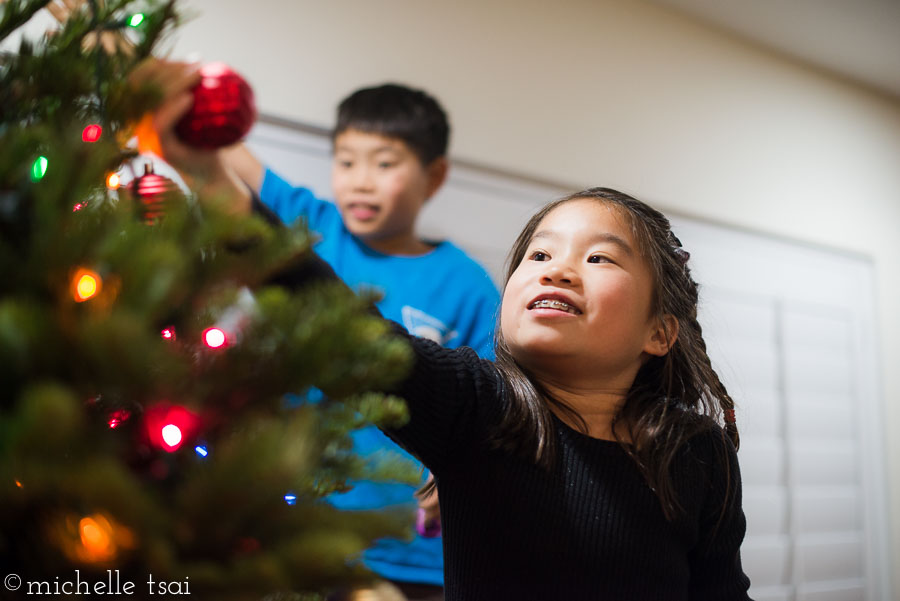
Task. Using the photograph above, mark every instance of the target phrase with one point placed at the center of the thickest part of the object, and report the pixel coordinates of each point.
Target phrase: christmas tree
(145, 353)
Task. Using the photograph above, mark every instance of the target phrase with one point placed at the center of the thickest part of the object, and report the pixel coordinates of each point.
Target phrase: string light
(135, 20)
(117, 418)
(96, 538)
(168, 426)
(78, 206)
(201, 450)
(214, 338)
(91, 133)
(171, 435)
(113, 181)
(86, 285)
(39, 168)
(290, 498)
(168, 333)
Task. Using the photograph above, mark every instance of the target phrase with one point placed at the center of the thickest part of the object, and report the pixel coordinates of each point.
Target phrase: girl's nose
(559, 273)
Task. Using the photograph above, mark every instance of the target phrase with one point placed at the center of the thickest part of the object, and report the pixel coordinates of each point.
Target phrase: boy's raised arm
(244, 163)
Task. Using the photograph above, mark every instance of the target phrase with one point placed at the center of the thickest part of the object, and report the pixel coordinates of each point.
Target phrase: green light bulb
(39, 168)
(136, 20)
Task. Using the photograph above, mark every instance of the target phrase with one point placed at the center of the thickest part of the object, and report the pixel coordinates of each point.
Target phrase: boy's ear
(436, 171)
(662, 336)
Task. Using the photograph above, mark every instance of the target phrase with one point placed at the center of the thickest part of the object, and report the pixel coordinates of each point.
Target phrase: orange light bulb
(86, 285)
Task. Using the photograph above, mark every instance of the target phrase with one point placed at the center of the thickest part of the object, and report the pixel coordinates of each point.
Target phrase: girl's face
(580, 300)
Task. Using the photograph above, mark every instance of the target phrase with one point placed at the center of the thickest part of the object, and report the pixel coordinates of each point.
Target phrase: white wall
(608, 92)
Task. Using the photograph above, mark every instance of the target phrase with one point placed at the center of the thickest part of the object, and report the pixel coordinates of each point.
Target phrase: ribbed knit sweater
(589, 527)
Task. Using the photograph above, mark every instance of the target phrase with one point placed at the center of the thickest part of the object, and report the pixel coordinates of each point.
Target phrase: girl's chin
(536, 353)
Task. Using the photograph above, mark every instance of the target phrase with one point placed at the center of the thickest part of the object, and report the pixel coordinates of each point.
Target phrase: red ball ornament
(153, 193)
(223, 109)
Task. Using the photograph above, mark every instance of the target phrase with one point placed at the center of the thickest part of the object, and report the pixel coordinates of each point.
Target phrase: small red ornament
(153, 192)
(223, 109)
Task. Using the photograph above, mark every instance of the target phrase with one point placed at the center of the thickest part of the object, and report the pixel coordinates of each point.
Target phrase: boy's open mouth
(362, 211)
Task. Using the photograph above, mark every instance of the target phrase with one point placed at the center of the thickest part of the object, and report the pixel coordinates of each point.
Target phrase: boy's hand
(244, 163)
(203, 170)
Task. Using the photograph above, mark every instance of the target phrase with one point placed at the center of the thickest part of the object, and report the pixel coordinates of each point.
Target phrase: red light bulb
(214, 338)
(168, 426)
(91, 133)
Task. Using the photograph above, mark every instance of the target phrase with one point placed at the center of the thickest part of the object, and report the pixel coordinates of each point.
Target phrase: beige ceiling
(858, 39)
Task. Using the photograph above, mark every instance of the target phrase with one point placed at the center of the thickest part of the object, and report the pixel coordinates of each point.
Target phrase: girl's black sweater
(589, 528)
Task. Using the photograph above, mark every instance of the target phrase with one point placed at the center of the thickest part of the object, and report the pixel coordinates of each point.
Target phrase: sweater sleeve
(454, 401)
(452, 394)
(716, 572)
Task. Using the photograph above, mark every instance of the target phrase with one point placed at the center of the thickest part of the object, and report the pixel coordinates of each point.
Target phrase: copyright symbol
(12, 582)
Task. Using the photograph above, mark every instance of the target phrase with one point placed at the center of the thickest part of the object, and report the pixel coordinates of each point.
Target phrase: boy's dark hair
(400, 112)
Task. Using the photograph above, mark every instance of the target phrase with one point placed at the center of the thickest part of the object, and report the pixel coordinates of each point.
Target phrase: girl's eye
(539, 255)
(385, 165)
(345, 164)
(598, 259)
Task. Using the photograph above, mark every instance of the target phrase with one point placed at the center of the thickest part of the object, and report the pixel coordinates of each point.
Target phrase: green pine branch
(81, 378)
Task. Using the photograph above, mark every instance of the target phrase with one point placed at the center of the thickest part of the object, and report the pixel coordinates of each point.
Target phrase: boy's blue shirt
(443, 295)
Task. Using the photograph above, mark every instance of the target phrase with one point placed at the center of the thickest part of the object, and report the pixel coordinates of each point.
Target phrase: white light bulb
(171, 435)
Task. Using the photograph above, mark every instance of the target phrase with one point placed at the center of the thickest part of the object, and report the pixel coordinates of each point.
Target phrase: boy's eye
(345, 164)
(539, 255)
(385, 165)
(598, 259)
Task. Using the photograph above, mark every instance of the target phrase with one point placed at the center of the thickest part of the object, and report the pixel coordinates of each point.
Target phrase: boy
(390, 145)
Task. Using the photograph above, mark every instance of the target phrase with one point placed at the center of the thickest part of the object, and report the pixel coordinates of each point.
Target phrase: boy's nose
(362, 178)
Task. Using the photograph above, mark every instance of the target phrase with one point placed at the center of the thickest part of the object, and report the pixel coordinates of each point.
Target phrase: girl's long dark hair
(673, 397)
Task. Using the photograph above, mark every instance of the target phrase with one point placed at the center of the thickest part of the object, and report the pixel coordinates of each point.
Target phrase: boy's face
(380, 186)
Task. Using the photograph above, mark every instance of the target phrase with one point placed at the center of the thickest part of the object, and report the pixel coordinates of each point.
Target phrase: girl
(587, 462)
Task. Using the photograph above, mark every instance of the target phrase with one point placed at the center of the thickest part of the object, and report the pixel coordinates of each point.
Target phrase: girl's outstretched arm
(454, 396)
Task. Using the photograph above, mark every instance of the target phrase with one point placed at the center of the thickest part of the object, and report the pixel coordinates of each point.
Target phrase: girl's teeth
(554, 304)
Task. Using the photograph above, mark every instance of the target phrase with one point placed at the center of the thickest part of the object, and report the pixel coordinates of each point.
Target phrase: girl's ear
(662, 336)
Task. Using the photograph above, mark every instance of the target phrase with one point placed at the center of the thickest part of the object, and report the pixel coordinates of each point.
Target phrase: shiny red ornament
(153, 192)
(223, 110)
